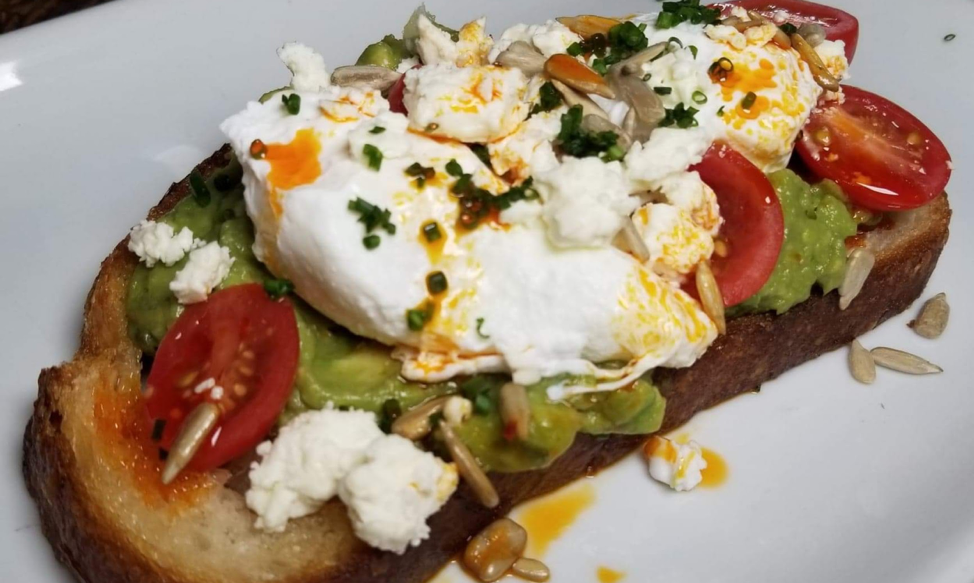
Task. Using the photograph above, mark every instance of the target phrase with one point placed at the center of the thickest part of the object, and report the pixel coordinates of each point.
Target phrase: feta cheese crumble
(307, 66)
(208, 266)
(389, 486)
(393, 491)
(158, 242)
(585, 201)
(678, 465)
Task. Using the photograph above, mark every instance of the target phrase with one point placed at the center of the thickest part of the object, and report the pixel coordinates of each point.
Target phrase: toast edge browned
(778, 343)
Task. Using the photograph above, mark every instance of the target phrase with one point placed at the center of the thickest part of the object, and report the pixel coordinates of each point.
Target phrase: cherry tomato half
(239, 350)
(838, 24)
(753, 228)
(883, 158)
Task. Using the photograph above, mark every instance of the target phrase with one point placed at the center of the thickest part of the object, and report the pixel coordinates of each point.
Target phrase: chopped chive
(615, 152)
(436, 283)
(699, 97)
(693, 50)
(788, 28)
(373, 155)
(292, 103)
(431, 231)
(416, 318)
(453, 168)
(377, 130)
(480, 324)
(574, 49)
(200, 191)
(749, 99)
(371, 241)
(278, 288)
(481, 404)
(950, 37)
(675, 40)
(663, 90)
(647, 76)
(720, 112)
(642, 26)
(158, 428)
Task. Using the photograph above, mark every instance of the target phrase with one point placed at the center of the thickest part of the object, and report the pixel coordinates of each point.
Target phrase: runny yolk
(743, 79)
(434, 249)
(548, 518)
(716, 471)
(293, 164)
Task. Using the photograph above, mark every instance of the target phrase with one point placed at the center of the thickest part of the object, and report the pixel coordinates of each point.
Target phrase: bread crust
(107, 540)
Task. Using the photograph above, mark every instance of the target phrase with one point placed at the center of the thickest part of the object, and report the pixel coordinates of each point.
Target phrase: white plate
(830, 480)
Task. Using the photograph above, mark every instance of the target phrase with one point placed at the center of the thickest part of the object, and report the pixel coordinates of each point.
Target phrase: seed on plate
(416, 423)
(932, 320)
(365, 77)
(468, 467)
(710, 296)
(577, 75)
(587, 25)
(515, 410)
(860, 263)
(194, 431)
(495, 549)
(901, 361)
(521, 55)
(861, 363)
(819, 71)
(531, 569)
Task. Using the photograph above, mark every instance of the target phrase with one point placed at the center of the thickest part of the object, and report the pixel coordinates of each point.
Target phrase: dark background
(16, 14)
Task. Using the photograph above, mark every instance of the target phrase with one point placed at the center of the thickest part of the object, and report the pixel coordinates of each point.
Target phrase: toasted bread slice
(94, 475)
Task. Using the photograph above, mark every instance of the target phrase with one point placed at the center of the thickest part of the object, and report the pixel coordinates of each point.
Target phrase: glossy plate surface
(829, 480)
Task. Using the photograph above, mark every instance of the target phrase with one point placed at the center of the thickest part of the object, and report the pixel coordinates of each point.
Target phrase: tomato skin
(839, 25)
(881, 156)
(239, 337)
(754, 226)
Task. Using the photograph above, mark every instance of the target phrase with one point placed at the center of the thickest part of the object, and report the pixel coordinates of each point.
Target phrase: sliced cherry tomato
(838, 24)
(753, 228)
(239, 350)
(882, 157)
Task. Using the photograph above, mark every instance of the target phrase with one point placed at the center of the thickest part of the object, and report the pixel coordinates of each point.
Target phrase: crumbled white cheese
(529, 150)
(435, 45)
(669, 151)
(832, 53)
(208, 266)
(678, 465)
(549, 38)
(474, 44)
(301, 469)
(585, 201)
(158, 242)
(456, 410)
(392, 493)
(407, 64)
(307, 66)
(726, 34)
(469, 104)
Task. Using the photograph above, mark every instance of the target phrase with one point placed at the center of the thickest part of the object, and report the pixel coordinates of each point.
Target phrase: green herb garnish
(278, 288)
(373, 155)
(950, 37)
(373, 217)
(371, 241)
(663, 90)
(686, 11)
(480, 324)
(377, 130)
(292, 103)
(417, 318)
(436, 283)
(699, 97)
(454, 169)
(431, 231)
(680, 116)
(575, 141)
(749, 99)
(788, 28)
(548, 98)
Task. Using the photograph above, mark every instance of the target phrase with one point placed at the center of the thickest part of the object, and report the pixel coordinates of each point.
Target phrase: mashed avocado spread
(336, 366)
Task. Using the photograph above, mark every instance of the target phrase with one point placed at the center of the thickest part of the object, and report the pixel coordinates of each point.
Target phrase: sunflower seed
(577, 75)
(861, 363)
(630, 241)
(587, 25)
(515, 409)
(415, 423)
(860, 264)
(573, 98)
(819, 71)
(495, 549)
(521, 55)
(899, 360)
(932, 320)
(531, 569)
(365, 77)
(468, 467)
(197, 427)
(710, 297)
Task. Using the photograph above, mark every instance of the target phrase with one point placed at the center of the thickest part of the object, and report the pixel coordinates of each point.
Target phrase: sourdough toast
(95, 480)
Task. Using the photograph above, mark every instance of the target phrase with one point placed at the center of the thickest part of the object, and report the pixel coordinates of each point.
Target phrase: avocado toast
(76, 419)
